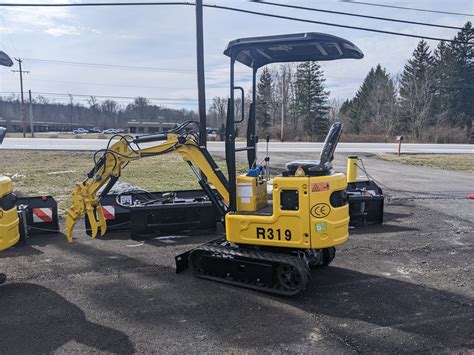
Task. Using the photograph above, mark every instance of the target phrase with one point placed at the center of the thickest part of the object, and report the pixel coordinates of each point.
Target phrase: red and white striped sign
(42, 215)
(109, 212)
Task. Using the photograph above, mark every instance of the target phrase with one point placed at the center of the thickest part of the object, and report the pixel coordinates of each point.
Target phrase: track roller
(277, 273)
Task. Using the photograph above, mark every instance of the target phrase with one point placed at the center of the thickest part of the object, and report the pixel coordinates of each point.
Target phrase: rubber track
(212, 248)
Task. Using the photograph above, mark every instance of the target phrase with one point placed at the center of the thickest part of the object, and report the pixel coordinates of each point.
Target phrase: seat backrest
(330, 144)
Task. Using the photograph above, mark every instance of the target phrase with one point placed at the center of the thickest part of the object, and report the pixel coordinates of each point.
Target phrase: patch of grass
(61, 135)
(456, 162)
(56, 173)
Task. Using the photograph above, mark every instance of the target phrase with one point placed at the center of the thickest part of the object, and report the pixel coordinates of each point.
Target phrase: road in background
(86, 144)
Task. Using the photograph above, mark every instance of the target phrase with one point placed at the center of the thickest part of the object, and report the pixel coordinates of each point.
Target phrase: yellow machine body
(9, 221)
(251, 193)
(303, 215)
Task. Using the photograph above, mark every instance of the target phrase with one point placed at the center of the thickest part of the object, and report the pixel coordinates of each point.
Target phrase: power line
(228, 8)
(407, 8)
(115, 66)
(102, 96)
(65, 98)
(112, 84)
(10, 37)
(331, 24)
(355, 15)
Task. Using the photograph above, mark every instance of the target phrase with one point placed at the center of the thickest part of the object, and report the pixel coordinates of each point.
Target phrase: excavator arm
(107, 170)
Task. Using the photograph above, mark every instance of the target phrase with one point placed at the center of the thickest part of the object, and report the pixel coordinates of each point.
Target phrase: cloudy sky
(160, 41)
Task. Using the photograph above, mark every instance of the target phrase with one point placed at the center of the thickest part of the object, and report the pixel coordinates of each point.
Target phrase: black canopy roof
(256, 52)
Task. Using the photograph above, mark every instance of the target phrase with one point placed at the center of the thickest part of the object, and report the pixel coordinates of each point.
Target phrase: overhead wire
(111, 84)
(331, 24)
(227, 8)
(9, 36)
(101, 96)
(406, 8)
(298, 7)
(115, 66)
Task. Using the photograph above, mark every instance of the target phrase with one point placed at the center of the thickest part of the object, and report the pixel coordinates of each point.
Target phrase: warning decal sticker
(320, 186)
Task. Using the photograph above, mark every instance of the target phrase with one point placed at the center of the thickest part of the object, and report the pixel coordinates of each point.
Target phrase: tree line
(105, 114)
(431, 100)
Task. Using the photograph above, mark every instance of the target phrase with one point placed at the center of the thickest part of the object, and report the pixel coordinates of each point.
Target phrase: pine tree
(416, 90)
(381, 107)
(311, 100)
(444, 76)
(462, 93)
(374, 108)
(357, 107)
(264, 100)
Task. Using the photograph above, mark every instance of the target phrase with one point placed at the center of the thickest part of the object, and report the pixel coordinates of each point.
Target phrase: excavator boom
(108, 168)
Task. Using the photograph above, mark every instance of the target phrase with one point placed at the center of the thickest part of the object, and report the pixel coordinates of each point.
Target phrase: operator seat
(310, 167)
(323, 166)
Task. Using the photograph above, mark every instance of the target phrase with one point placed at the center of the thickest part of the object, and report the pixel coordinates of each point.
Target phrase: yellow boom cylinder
(352, 169)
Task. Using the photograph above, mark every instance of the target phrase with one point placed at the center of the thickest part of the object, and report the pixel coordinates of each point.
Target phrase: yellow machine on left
(9, 220)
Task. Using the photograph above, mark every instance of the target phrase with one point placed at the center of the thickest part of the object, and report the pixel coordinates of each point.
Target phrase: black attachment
(182, 261)
(41, 214)
(366, 203)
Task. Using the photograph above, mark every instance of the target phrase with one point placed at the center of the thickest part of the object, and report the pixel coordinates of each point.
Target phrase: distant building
(16, 126)
(135, 126)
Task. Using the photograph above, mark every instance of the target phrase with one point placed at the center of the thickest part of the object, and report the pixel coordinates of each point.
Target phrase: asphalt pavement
(403, 287)
(86, 144)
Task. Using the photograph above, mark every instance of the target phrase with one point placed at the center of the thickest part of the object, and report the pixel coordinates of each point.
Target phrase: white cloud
(63, 30)
(164, 37)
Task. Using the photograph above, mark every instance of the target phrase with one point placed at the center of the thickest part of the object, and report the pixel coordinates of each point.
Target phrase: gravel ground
(405, 286)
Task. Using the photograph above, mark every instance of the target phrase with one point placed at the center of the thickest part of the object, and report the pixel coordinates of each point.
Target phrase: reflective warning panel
(42, 215)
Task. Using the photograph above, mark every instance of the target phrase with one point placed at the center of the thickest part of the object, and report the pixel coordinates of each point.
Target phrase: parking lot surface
(405, 286)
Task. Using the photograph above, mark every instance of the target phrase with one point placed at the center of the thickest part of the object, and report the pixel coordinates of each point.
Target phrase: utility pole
(284, 95)
(22, 102)
(200, 75)
(31, 116)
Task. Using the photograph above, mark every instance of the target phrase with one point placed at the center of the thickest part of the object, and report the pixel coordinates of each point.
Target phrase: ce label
(320, 210)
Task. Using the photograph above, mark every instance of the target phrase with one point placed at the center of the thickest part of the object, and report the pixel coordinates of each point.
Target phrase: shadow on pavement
(37, 320)
(364, 307)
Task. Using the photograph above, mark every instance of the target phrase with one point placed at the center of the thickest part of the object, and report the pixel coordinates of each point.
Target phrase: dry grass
(56, 173)
(61, 135)
(457, 162)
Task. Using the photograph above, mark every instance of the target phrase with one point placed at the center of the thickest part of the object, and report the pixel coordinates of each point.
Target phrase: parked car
(95, 130)
(80, 131)
(110, 131)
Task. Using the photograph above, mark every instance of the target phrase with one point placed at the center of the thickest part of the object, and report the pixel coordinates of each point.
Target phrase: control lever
(267, 161)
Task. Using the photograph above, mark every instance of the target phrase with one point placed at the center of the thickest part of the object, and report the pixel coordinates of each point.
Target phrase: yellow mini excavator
(269, 245)
(9, 220)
